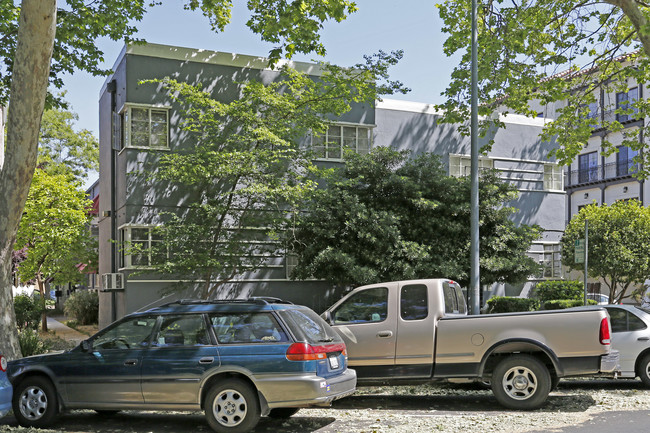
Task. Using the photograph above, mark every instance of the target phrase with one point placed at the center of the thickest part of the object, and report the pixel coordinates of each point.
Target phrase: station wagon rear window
(309, 326)
(247, 327)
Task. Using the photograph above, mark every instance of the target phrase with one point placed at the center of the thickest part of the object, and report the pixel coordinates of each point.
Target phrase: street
(577, 406)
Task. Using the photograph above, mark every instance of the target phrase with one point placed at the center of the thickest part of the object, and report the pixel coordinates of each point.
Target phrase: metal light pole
(475, 285)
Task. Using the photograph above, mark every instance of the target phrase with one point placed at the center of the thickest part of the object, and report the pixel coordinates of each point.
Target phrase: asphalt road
(576, 407)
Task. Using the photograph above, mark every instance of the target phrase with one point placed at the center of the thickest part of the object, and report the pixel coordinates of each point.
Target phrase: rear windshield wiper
(325, 340)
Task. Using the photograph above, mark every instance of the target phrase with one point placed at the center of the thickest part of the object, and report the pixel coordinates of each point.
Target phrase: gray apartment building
(139, 122)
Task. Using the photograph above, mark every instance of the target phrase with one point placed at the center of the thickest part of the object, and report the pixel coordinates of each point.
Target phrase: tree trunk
(29, 80)
(41, 289)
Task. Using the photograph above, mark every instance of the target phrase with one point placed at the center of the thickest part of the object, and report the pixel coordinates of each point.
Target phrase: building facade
(139, 122)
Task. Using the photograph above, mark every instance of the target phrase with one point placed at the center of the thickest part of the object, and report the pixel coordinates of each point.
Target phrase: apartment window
(460, 165)
(140, 247)
(552, 177)
(146, 127)
(625, 161)
(339, 137)
(588, 167)
(290, 261)
(551, 261)
(624, 101)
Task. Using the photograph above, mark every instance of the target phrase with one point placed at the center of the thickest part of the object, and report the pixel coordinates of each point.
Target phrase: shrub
(83, 305)
(31, 343)
(506, 304)
(559, 289)
(561, 304)
(28, 312)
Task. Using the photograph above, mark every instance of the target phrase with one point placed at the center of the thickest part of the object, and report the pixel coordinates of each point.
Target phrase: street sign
(579, 253)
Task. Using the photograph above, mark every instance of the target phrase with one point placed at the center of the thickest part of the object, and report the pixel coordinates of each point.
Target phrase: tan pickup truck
(418, 331)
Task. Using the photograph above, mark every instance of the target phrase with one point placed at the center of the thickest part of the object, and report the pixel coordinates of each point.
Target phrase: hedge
(560, 304)
(507, 304)
(559, 289)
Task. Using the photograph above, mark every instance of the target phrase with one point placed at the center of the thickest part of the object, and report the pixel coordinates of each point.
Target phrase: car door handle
(206, 360)
(643, 339)
(131, 362)
(385, 334)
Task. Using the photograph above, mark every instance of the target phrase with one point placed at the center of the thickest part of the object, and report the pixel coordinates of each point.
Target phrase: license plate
(334, 362)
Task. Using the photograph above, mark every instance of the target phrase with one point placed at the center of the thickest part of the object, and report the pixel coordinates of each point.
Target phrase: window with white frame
(551, 261)
(339, 137)
(552, 177)
(460, 165)
(139, 246)
(145, 127)
(291, 261)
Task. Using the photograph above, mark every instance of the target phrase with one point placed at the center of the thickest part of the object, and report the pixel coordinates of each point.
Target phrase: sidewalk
(63, 331)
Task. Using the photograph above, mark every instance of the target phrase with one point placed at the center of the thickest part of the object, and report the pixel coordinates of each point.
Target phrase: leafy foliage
(62, 150)
(83, 305)
(28, 312)
(551, 51)
(31, 343)
(247, 170)
(559, 289)
(561, 304)
(507, 304)
(619, 241)
(385, 217)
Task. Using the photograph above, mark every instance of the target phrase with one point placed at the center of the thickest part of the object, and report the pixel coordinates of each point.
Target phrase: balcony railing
(600, 173)
(610, 116)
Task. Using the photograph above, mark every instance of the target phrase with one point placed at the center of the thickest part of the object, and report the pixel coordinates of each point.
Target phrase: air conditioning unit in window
(112, 282)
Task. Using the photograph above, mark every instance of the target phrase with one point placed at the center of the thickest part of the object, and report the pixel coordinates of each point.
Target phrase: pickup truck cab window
(365, 306)
(414, 304)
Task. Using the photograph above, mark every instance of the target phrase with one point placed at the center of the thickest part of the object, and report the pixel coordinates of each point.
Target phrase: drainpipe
(112, 89)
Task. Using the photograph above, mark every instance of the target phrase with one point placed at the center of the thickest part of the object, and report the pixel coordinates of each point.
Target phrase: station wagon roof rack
(262, 300)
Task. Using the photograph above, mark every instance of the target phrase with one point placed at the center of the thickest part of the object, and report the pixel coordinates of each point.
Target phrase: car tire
(232, 406)
(35, 402)
(283, 412)
(643, 370)
(521, 382)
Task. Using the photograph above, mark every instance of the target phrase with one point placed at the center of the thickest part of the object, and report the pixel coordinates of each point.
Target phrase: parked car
(236, 360)
(599, 298)
(5, 388)
(631, 337)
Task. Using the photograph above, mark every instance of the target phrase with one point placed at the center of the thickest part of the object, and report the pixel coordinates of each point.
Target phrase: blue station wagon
(236, 360)
(5, 388)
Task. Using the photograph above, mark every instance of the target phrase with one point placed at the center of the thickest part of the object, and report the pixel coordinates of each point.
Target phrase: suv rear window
(309, 327)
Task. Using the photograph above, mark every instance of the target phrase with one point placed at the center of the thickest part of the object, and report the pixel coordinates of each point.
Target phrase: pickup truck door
(367, 321)
(416, 328)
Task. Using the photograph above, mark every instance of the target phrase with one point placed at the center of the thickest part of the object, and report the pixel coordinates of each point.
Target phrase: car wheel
(283, 412)
(35, 403)
(232, 406)
(521, 382)
(643, 370)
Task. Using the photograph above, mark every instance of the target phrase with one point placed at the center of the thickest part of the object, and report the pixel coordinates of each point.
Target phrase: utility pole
(475, 281)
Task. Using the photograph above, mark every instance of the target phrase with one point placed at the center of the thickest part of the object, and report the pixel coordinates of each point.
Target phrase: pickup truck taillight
(307, 352)
(604, 332)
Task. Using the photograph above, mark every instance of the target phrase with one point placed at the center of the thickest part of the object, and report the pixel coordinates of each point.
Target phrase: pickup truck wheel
(521, 382)
(232, 406)
(35, 403)
(643, 370)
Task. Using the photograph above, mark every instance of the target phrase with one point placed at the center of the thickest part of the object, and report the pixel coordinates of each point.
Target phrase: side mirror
(327, 315)
(87, 346)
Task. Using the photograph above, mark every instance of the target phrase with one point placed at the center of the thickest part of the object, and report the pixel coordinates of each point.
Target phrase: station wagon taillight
(307, 352)
(3, 363)
(605, 338)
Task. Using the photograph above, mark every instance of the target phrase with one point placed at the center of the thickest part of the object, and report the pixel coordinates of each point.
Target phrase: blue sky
(410, 25)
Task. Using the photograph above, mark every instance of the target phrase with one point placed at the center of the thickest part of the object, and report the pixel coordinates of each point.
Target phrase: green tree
(247, 170)
(41, 42)
(551, 51)
(61, 149)
(385, 217)
(619, 241)
(54, 230)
